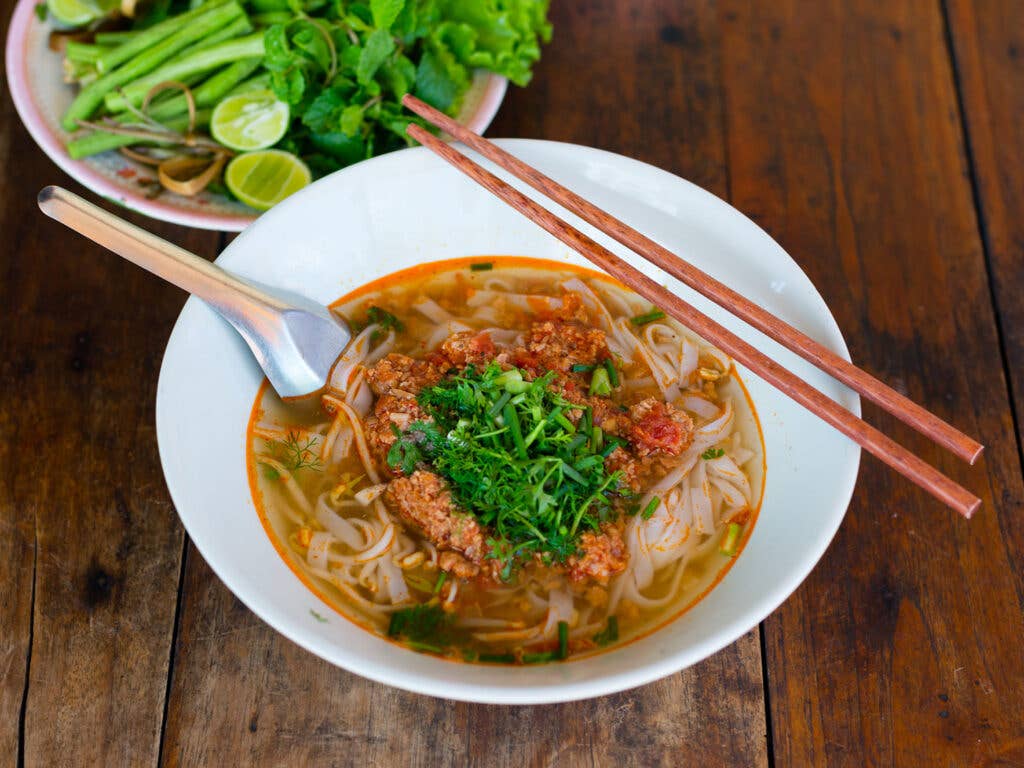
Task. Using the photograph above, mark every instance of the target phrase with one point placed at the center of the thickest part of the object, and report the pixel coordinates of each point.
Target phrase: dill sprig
(514, 460)
(296, 453)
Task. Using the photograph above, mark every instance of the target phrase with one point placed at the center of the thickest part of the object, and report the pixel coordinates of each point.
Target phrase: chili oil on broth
(301, 456)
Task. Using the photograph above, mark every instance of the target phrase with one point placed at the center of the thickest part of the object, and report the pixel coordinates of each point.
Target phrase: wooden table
(880, 141)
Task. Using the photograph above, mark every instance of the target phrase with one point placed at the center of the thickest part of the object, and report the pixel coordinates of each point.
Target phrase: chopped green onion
(498, 658)
(610, 634)
(712, 453)
(612, 444)
(563, 640)
(539, 658)
(440, 581)
(731, 540)
(613, 375)
(427, 647)
(499, 404)
(652, 505)
(600, 383)
(572, 474)
(648, 317)
(582, 368)
(512, 422)
(481, 266)
(596, 438)
(564, 423)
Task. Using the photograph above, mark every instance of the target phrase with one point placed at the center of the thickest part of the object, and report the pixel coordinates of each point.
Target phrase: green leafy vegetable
(713, 453)
(514, 461)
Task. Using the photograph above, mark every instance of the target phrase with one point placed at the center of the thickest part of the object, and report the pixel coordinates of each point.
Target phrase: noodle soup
(516, 461)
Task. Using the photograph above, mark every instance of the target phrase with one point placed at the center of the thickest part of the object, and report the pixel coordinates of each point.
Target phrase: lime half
(74, 13)
(264, 179)
(248, 121)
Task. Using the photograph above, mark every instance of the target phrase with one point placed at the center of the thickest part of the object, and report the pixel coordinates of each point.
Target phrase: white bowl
(35, 79)
(409, 207)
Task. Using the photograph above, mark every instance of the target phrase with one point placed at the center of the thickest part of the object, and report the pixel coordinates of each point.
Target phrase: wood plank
(904, 645)
(242, 693)
(988, 48)
(84, 513)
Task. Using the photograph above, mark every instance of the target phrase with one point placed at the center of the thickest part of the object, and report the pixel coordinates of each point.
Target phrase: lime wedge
(264, 179)
(248, 121)
(74, 13)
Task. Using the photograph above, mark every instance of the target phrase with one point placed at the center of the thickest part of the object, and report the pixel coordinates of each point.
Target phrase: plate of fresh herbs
(206, 113)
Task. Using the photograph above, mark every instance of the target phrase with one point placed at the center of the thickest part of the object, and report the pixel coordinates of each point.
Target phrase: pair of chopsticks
(866, 436)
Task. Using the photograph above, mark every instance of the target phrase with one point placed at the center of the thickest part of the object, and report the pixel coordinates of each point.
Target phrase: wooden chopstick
(862, 382)
(869, 438)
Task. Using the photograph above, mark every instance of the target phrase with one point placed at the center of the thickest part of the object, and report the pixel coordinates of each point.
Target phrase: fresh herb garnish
(422, 624)
(41, 11)
(581, 368)
(713, 453)
(481, 266)
(317, 616)
(731, 539)
(384, 321)
(648, 317)
(514, 460)
(609, 634)
(296, 453)
(440, 581)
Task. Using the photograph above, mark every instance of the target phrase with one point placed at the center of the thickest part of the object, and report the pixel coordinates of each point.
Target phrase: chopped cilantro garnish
(514, 461)
(609, 634)
(712, 453)
(384, 320)
(648, 317)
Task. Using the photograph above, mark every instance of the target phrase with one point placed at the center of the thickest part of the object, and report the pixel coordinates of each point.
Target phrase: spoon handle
(227, 293)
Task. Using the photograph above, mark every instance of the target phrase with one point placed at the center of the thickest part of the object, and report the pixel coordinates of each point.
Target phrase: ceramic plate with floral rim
(405, 210)
(35, 78)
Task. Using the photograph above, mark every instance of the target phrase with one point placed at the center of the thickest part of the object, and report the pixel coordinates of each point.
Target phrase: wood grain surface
(879, 141)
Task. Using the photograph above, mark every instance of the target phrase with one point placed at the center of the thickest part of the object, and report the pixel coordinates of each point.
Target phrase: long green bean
(90, 97)
(240, 26)
(240, 48)
(142, 41)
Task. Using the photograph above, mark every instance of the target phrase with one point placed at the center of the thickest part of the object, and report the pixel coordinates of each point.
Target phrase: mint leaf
(351, 119)
(385, 12)
(440, 79)
(379, 46)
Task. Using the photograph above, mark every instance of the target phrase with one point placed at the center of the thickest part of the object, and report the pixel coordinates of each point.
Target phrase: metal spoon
(295, 340)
